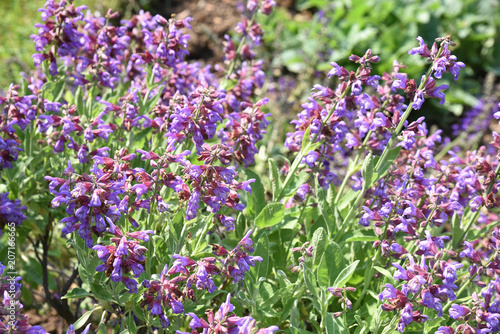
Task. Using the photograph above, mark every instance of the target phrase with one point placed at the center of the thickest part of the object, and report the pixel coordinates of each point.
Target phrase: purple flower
(418, 100)
(311, 158)
(428, 300)
(336, 70)
(415, 284)
(366, 217)
(399, 82)
(192, 206)
(71, 330)
(406, 317)
(445, 330)
(357, 88)
(457, 311)
(11, 211)
(401, 273)
(470, 252)
(204, 281)
(303, 190)
(476, 203)
(421, 49)
(197, 322)
(389, 292)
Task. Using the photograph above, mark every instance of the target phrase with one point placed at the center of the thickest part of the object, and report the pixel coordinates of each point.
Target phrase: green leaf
(335, 260)
(287, 308)
(383, 166)
(262, 249)
(228, 84)
(77, 293)
(367, 171)
(83, 319)
(306, 140)
(80, 107)
(271, 215)
(456, 229)
(384, 272)
(53, 91)
(310, 282)
(433, 324)
(347, 199)
(321, 193)
(319, 244)
(329, 215)
(257, 199)
(101, 293)
(275, 177)
(322, 273)
(333, 325)
(138, 311)
(295, 316)
(363, 325)
(102, 329)
(241, 225)
(365, 238)
(178, 224)
(131, 326)
(295, 182)
(345, 275)
(83, 274)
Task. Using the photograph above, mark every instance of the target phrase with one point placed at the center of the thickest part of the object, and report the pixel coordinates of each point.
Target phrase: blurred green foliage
(322, 31)
(17, 25)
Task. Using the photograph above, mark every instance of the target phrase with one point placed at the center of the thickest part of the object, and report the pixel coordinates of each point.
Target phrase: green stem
(351, 213)
(153, 210)
(450, 145)
(238, 50)
(400, 126)
(422, 231)
(405, 116)
(367, 284)
(300, 156)
(298, 221)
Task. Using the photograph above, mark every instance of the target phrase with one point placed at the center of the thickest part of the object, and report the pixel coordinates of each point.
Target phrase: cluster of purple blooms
(16, 112)
(11, 318)
(477, 120)
(177, 283)
(183, 106)
(418, 193)
(223, 321)
(349, 118)
(124, 258)
(421, 288)
(113, 190)
(10, 211)
(187, 101)
(482, 316)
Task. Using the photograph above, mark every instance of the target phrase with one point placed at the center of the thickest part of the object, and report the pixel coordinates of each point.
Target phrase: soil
(51, 322)
(212, 19)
